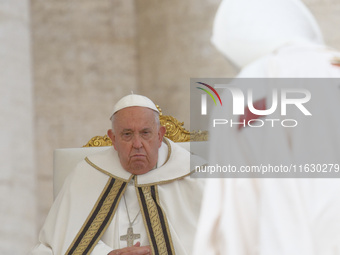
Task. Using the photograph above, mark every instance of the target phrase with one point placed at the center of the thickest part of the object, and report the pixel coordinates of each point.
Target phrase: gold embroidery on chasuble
(155, 221)
(99, 218)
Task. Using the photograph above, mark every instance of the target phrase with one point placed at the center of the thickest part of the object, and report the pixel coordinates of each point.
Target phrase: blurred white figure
(274, 39)
(245, 30)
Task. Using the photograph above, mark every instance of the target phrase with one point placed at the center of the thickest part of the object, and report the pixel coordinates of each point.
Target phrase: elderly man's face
(136, 138)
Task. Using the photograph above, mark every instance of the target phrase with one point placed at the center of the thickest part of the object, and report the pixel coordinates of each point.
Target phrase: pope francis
(135, 198)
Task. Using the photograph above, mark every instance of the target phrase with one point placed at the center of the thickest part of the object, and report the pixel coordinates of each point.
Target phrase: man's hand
(134, 250)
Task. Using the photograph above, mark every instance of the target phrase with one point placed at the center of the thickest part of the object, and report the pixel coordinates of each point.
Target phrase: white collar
(173, 162)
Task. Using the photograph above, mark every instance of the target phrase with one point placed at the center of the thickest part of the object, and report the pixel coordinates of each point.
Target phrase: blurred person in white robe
(274, 39)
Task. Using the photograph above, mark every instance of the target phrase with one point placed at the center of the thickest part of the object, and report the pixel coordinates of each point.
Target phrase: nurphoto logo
(251, 111)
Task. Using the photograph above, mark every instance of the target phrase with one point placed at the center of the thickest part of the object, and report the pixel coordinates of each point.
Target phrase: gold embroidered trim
(152, 222)
(144, 220)
(106, 172)
(165, 221)
(155, 221)
(99, 218)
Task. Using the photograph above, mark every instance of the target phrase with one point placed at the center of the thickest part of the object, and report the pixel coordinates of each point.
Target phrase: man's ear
(161, 133)
(112, 136)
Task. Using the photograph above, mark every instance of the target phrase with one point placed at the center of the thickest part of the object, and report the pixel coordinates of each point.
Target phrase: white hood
(245, 30)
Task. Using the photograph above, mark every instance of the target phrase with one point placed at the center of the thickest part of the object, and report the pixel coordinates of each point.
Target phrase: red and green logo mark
(204, 97)
(209, 93)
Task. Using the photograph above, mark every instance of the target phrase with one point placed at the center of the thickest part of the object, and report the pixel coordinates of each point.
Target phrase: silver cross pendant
(129, 237)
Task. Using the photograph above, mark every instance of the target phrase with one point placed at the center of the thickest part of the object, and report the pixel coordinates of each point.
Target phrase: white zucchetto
(134, 100)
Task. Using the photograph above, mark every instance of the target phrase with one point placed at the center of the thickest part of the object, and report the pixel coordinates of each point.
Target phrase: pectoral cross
(129, 237)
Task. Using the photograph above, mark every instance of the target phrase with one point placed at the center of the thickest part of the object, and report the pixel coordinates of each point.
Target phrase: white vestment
(179, 196)
(278, 216)
(274, 216)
